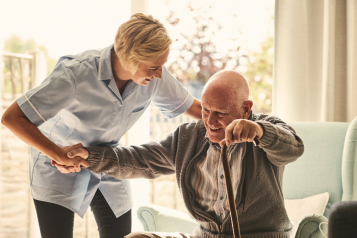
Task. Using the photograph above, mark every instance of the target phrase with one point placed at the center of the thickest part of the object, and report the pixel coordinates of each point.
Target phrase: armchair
(327, 165)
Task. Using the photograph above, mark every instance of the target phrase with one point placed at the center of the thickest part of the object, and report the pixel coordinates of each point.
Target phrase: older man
(192, 151)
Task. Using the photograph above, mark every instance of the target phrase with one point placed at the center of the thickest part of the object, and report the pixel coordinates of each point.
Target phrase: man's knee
(140, 234)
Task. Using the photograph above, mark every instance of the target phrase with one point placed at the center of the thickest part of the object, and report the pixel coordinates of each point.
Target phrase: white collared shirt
(208, 182)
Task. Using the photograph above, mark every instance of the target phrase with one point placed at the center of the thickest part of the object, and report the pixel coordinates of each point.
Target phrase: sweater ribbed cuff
(269, 133)
(95, 157)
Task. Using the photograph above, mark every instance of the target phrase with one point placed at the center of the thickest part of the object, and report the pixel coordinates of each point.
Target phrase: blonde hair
(140, 39)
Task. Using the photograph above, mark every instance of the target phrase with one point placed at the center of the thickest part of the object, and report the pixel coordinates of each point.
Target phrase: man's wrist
(261, 130)
(95, 155)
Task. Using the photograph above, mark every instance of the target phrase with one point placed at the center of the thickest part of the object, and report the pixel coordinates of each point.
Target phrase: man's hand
(242, 130)
(75, 159)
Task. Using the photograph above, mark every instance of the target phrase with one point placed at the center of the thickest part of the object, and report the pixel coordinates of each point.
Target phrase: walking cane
(229, 186)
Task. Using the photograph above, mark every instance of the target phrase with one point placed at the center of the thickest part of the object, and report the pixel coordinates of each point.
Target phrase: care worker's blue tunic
(79, 102)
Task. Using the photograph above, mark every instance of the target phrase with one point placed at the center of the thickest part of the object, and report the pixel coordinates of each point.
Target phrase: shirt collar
(210, 142)
(105, 66)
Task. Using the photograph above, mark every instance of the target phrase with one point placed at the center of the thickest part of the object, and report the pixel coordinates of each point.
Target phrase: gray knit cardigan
(259, 200)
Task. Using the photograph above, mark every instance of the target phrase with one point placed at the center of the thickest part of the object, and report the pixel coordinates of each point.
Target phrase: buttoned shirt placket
(215, 173)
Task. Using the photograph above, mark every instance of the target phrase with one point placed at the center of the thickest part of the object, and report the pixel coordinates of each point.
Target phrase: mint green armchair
(327, 165)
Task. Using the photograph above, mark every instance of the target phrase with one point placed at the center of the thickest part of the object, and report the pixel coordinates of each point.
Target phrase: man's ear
(247, 108)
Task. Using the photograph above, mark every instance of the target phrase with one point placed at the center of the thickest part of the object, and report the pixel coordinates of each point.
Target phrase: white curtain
(315, 65)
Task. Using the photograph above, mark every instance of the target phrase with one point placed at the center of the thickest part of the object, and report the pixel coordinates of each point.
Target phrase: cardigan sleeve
(149, 160)
(280, 141)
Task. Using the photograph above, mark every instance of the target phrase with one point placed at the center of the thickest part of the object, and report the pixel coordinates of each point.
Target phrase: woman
(94, 98)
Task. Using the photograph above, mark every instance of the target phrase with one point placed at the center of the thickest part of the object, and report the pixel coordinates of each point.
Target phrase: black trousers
(57, 222)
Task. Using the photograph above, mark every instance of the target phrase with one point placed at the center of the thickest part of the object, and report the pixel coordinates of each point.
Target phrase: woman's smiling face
(147, 71)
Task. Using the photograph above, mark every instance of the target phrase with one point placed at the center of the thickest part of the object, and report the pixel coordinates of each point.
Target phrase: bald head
(224, 99)
(229, 85)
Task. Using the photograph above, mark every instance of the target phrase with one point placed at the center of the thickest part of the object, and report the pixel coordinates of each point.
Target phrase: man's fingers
(78, 145)
(62, 169)
(80, 152)
(78, 162)
(222, 142)
(73, 147)
(77, 168)
(84, 163)
(245, 132)
(237, 133)
(71, 169)
(242, 130)
(251, 135)
(54, 163)
(81, 162)
(229, 134)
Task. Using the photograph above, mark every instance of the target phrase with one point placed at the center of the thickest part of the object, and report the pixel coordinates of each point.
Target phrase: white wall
(139, 134)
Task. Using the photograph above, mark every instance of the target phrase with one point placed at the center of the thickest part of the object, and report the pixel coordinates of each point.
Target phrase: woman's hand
(75, 158)
(17, 122)
(242, 130)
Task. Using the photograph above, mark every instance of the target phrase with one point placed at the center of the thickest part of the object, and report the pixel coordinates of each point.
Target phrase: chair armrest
(309, 227)
(162, 219)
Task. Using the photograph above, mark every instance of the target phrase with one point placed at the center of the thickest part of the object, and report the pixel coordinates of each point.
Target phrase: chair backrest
(328, 163)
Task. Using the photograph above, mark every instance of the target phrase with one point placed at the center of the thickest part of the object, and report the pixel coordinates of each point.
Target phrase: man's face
(218, 111)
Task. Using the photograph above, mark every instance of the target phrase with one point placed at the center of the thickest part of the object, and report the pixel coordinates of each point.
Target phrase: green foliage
(51, 63)
(15, 44)
(259, 72)
(18, 71)
(199, 55)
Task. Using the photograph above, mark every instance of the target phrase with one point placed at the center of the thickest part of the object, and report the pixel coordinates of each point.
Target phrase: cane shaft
(229, 186)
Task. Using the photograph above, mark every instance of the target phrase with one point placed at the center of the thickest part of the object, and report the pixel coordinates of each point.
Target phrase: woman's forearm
(17, 122)
(195, 111)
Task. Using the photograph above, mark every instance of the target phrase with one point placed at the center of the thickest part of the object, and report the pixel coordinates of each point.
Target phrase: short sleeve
(56, 92)
(170, 96)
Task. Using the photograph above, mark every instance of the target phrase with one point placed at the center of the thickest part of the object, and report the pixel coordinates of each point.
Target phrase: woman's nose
(158, 73)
